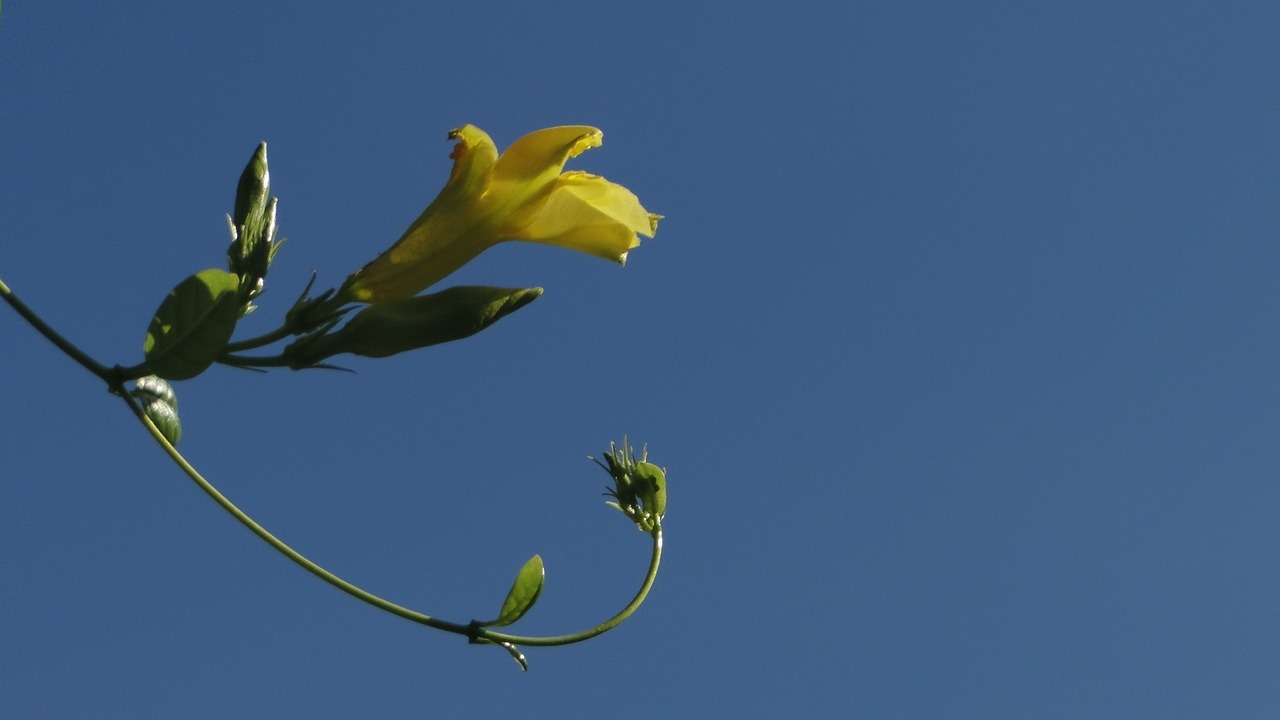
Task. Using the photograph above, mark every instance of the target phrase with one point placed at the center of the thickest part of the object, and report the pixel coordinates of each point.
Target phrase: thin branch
(63, 344)
(278, 544)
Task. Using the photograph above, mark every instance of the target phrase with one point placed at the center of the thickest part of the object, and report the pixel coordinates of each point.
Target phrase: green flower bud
(254, 187)
(395, 327)
(639, 487)
(253, 226)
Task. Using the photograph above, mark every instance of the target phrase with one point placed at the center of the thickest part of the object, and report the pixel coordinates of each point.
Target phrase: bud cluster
(640, 487)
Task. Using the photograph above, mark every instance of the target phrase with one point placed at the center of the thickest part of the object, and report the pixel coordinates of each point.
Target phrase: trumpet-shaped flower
(522, 194)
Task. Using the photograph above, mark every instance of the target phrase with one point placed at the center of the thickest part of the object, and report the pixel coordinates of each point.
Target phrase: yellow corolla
(524, 194)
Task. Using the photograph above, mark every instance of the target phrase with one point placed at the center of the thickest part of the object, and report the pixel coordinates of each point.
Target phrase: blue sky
(957, 342)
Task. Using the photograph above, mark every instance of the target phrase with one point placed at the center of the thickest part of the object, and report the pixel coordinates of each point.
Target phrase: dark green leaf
(524, 592)
(193, 325)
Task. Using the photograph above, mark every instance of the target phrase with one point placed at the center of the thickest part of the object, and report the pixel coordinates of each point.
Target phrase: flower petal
(446, 236)
(589, 214)
(538, 157)
(474, 158)
(527, 169)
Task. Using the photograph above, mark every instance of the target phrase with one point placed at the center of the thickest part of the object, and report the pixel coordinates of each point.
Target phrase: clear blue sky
(958, 342)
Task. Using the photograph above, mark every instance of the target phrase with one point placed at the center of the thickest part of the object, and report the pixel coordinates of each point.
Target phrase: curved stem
(305, 316)
(279, 545)
(66, 346)
(474, 632)
(115, 378)
(655, 559)
(279, 333)
(242, 361)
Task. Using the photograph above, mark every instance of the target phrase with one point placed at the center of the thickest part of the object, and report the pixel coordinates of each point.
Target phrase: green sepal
(523, 594)
(193, 325)
(160, 405)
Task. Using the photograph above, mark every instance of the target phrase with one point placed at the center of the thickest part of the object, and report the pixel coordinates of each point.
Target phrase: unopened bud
(254, 187)
(253, 226)
(390, 328)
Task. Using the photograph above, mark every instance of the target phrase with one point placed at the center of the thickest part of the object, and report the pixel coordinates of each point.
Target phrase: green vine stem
(306, 315)
(654, 561)
(116, 377)
(474, 632)
(54, 337)
(280, 333)
(248, 362)
(276, 542)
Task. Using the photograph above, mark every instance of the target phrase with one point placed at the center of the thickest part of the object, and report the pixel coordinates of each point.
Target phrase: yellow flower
(521, 195)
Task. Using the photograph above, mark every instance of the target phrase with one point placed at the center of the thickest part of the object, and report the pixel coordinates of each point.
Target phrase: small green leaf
(516, 655)
(653, 488)
(160, 404)
(524, 592)
(193, 325)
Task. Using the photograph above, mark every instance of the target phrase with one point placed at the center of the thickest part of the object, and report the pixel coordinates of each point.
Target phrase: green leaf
(652, 488)
(193, 325)
(160, 404)
(524, 592)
